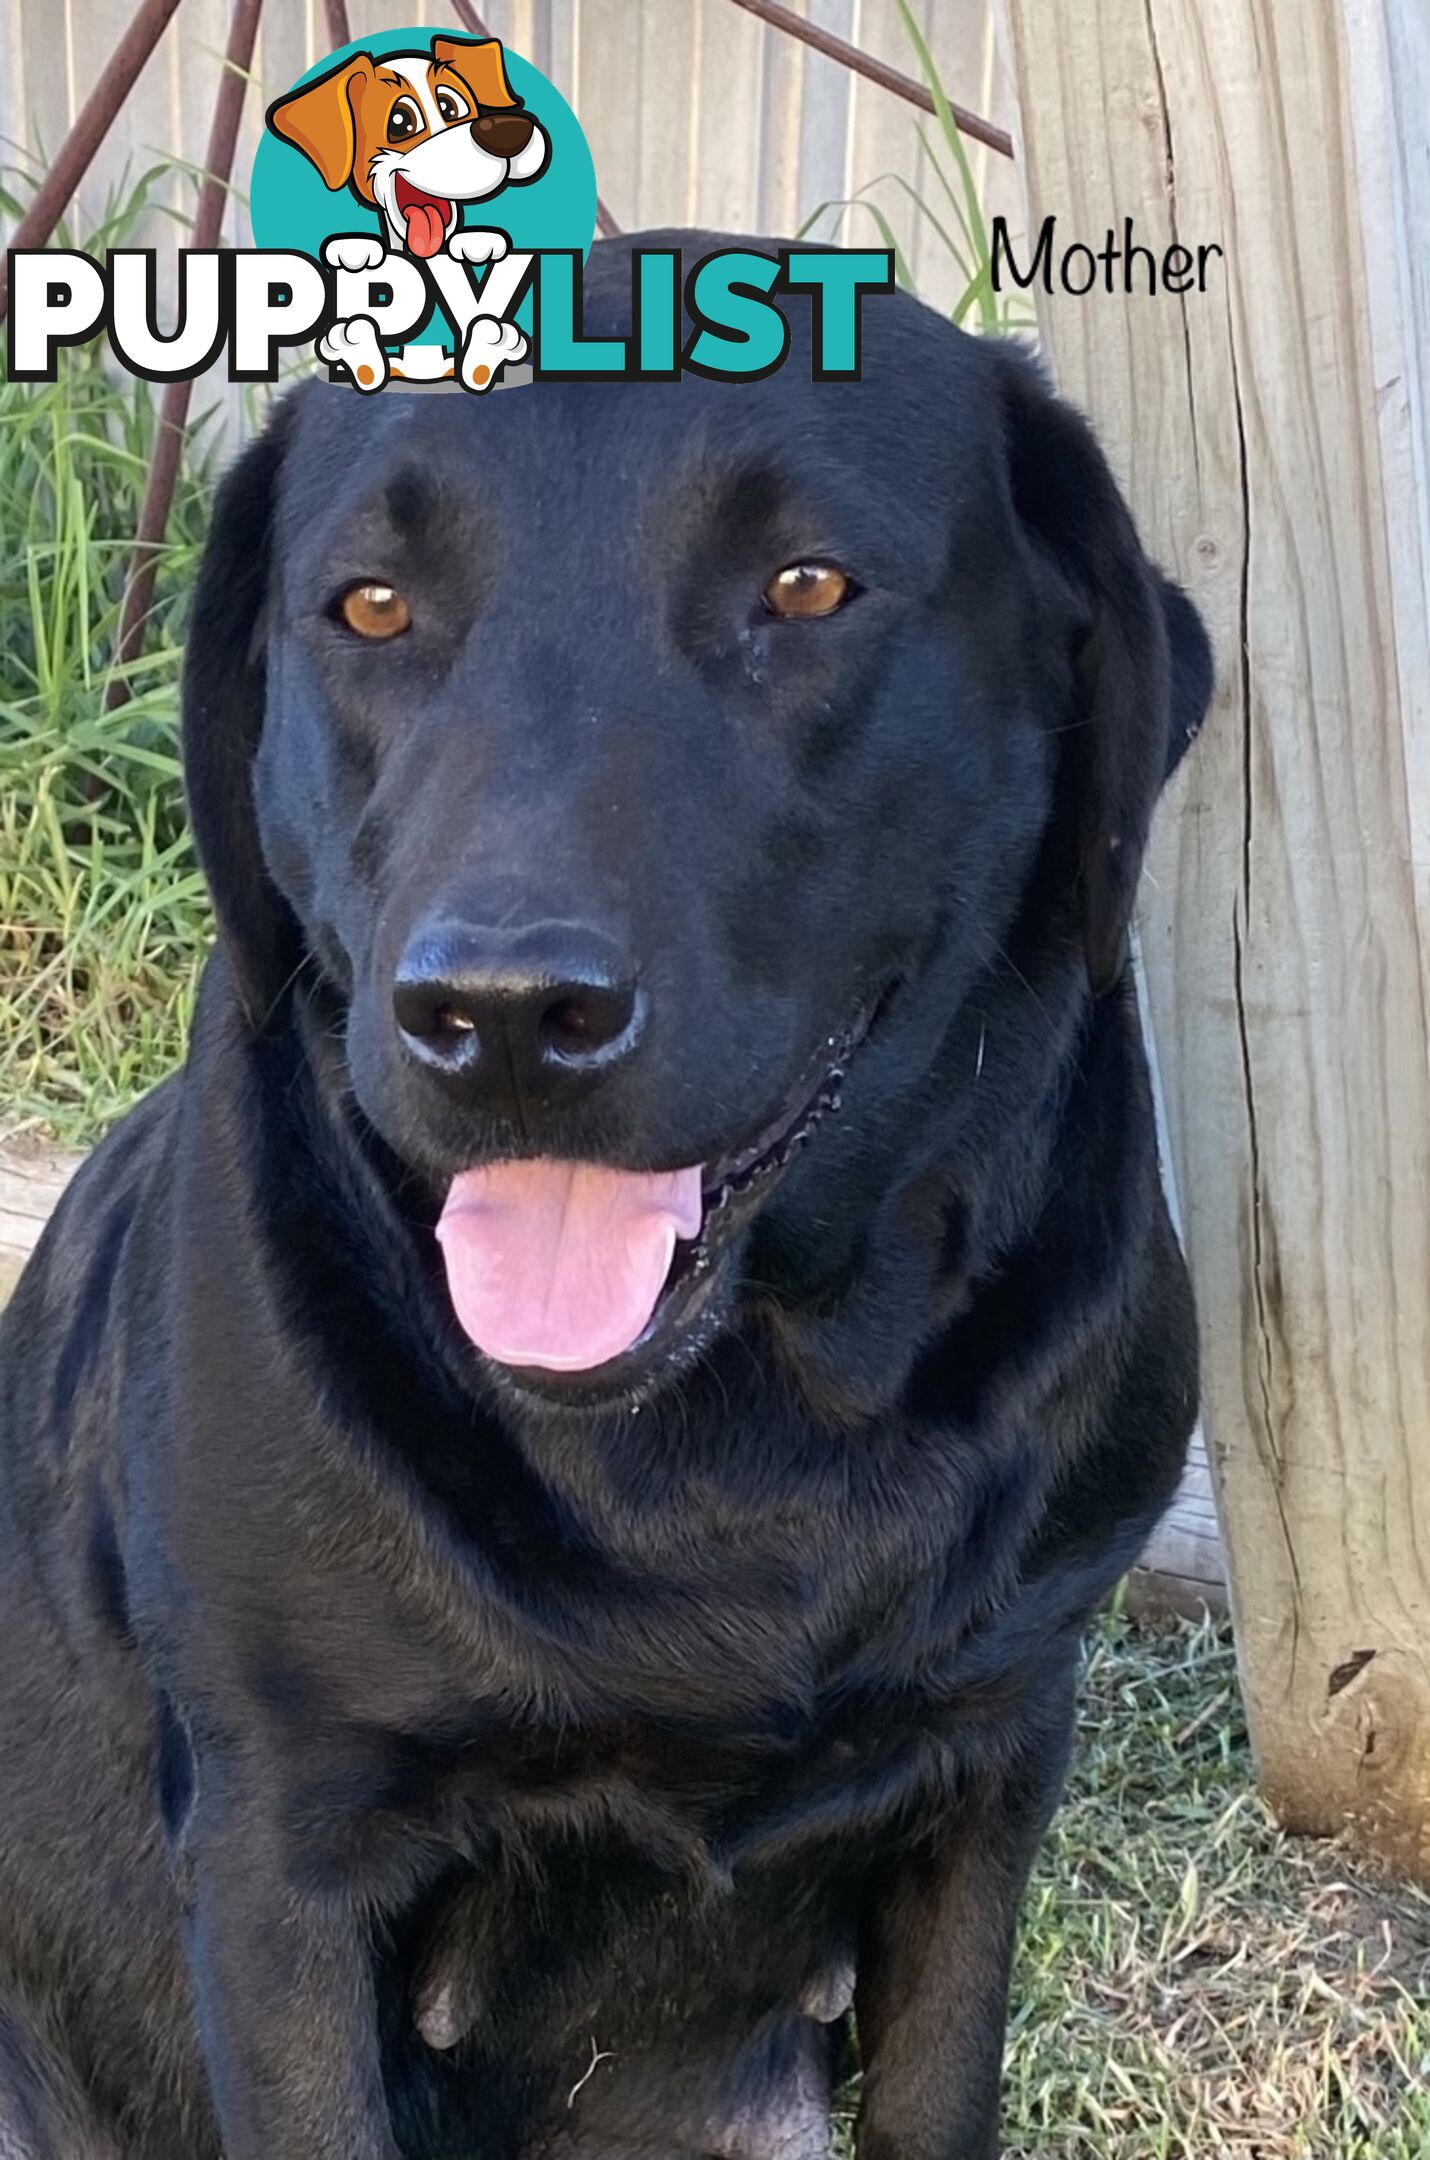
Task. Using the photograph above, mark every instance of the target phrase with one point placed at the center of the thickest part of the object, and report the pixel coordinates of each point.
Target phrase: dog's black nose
(505, 134)
(517, 1016)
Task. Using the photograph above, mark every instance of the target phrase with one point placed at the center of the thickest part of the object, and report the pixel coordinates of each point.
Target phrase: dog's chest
(708, 1727)
(655, 1997)
(671, 1891)
(709, 1698)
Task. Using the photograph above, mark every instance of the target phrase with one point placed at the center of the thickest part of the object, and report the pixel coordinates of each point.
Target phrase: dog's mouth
(570, 1270)
(427, 218)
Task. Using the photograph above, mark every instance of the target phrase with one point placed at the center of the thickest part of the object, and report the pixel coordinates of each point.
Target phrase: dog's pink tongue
(559, 1264)
(426, 227)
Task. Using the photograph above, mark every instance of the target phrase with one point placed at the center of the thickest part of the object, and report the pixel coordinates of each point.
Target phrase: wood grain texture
(825, 117)
(727, 55)
(1184, 1566)
(779, 206)
(608, 95)
(659, 119)
(13, 76)
(1271, 436)
(31, 1181)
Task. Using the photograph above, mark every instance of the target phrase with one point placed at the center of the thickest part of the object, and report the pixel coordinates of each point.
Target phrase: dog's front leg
(934, 1956)
(279, 1963)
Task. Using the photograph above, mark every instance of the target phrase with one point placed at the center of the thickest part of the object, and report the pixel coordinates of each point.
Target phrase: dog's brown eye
(805, 590)
(404, 121)
(375, 611)
(452, 106)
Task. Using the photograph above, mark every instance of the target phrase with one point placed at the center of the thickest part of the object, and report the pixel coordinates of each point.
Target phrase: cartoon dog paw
(489, 346)
(354, 251)
(475, 245)
(354, 346)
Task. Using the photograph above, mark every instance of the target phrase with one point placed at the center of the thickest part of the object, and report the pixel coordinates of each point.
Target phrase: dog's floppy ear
(480, 63)
(1142, 661)
(320, 119)
(223, 702)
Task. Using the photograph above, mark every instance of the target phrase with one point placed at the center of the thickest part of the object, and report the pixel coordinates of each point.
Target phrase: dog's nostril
(581, 1022)
(428, 1015)
(567, 1025)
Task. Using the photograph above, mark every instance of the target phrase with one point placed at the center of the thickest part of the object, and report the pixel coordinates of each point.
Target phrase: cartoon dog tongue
(559, 1264)
(426, 224)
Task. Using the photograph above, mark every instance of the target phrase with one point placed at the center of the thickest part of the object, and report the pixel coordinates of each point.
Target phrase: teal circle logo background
(290, 207)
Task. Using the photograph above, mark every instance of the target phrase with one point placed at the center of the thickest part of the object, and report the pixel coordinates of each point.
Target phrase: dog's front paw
(475, 245)
(354, 346)
(353, 251)
(489, 347)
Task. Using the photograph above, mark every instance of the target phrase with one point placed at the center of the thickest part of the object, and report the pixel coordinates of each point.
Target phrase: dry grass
(1191, 1984)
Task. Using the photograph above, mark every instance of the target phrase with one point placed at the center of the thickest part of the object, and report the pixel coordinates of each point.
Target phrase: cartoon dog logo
(414, 136)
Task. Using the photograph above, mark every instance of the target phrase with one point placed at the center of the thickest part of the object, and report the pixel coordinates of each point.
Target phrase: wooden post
(1272, 435)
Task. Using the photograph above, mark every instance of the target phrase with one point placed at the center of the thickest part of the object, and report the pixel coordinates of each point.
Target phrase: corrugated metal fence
(697, 112)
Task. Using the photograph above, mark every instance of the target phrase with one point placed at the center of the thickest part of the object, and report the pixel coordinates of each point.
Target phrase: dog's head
(415, 135)
(636, 766)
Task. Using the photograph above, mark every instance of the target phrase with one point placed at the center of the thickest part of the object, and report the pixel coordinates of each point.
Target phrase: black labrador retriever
(552, 1477)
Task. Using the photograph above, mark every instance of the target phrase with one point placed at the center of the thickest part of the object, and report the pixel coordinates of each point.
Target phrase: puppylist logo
(426, 173)
(422, 205)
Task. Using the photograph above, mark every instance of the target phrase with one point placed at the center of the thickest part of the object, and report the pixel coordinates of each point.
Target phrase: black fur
(398, 1759)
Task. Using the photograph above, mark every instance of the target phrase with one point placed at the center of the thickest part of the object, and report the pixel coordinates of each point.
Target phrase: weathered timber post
(1272, 433)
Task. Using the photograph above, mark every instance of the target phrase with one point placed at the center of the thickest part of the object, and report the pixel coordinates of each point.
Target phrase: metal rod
(174, 406)
(876, 71)
(95, 118)
(470, 20)
(339, 28)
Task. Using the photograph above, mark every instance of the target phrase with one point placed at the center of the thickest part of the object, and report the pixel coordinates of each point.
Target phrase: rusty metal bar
(470, 20)
(339, 28)
(876, 71)
(174, 406)
(95, 118)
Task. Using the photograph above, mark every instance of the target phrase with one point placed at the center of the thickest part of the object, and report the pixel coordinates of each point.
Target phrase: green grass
(103, 918)
(1190, 1983)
